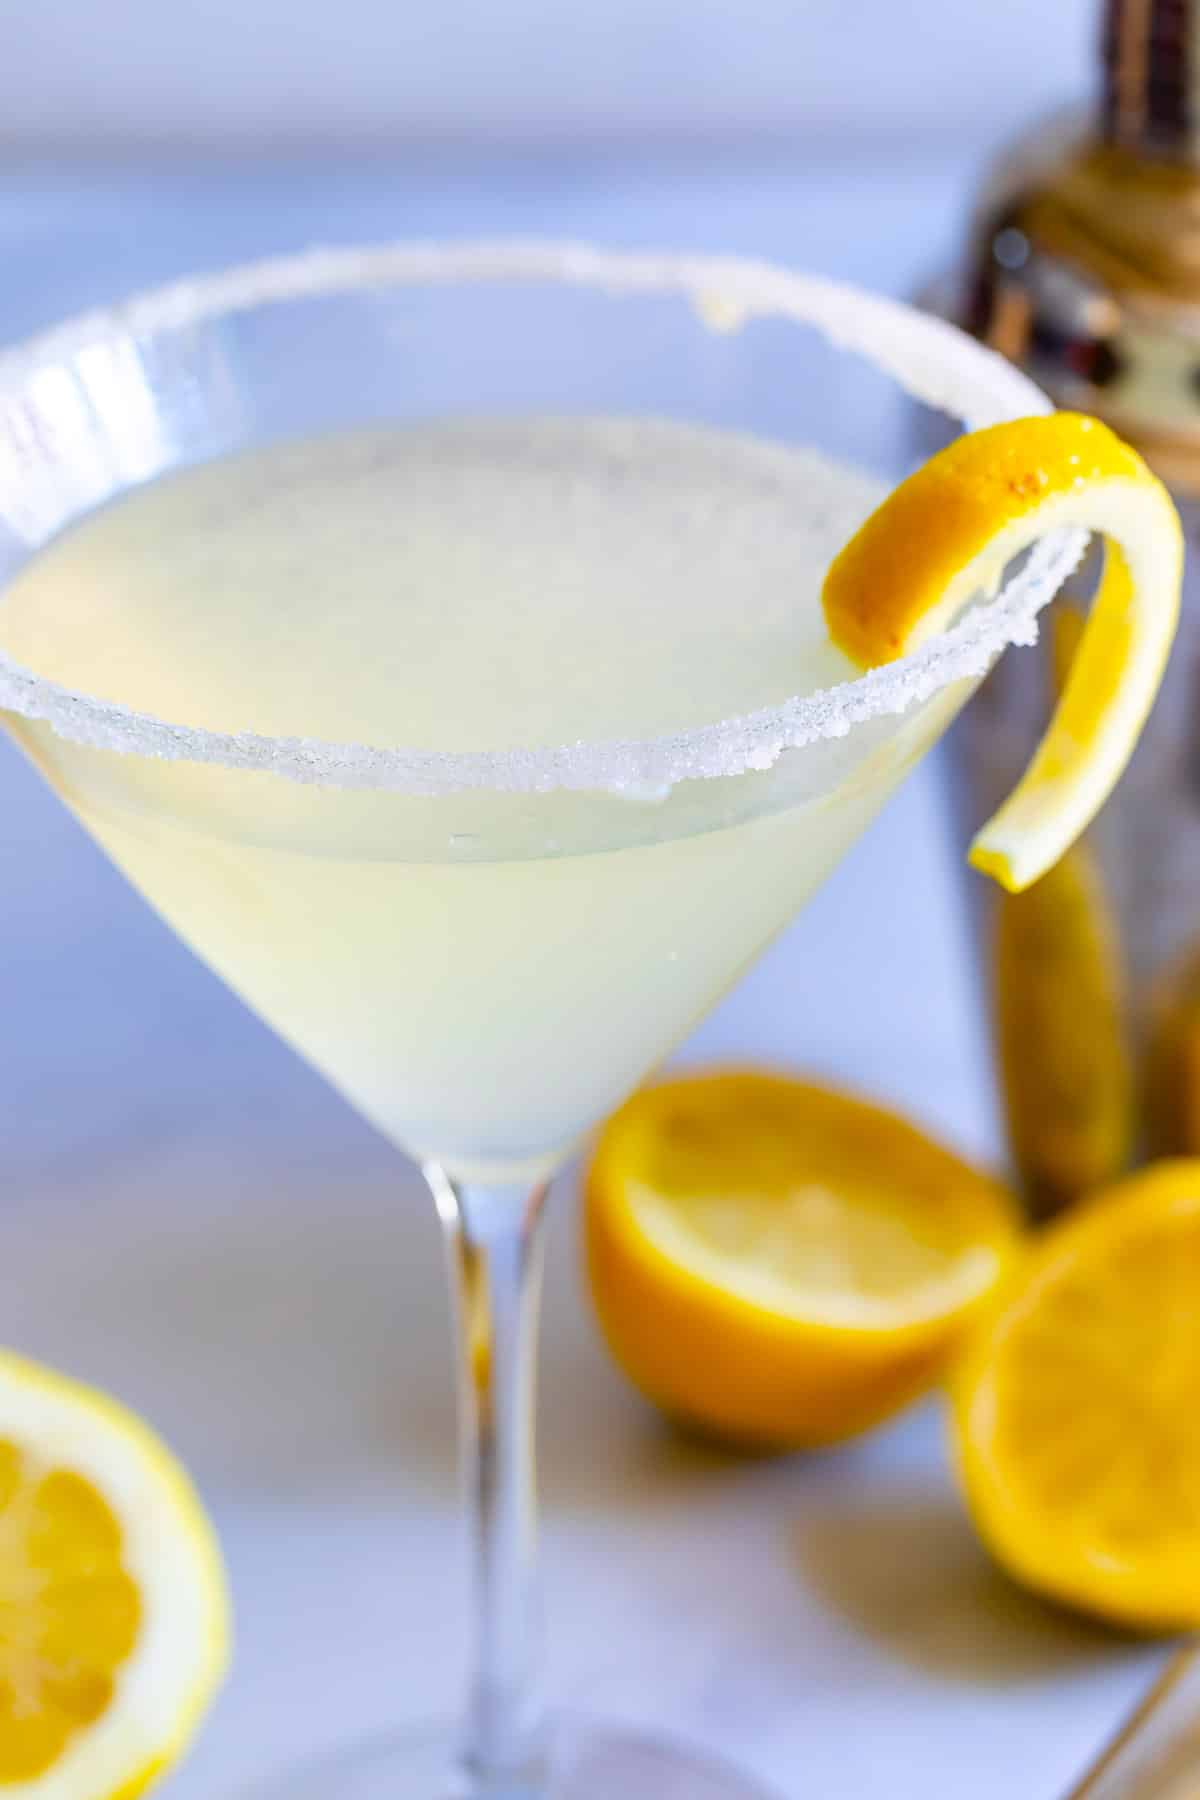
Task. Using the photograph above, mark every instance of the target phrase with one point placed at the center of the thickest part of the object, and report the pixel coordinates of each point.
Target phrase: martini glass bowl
(583, 901)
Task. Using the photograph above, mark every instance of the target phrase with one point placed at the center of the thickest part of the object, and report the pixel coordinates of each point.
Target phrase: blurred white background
(136, 71)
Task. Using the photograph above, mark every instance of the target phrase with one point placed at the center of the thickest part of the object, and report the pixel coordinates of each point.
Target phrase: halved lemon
(114, 1625)
(945, 535)
(1077, 1407)
(779, 1263)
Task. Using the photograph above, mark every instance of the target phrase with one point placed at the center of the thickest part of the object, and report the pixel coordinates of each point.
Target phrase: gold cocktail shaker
(1084, 260)
(1083, 265)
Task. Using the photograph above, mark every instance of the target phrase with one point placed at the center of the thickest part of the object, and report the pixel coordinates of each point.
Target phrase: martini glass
(460, 695)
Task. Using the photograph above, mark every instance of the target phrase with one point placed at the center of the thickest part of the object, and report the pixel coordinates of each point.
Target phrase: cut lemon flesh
(781, 1263)
(945, 536)
(113, 1611)
(1076, 1419)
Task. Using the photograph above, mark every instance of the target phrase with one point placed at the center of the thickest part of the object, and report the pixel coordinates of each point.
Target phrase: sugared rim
(932, 361)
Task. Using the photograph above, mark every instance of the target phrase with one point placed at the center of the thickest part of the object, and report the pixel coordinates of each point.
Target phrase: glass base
(589, 1763)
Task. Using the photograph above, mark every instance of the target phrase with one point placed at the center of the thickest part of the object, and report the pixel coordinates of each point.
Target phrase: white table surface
(188, 1216)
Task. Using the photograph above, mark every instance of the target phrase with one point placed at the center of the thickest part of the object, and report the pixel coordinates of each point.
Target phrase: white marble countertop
(187, 1215)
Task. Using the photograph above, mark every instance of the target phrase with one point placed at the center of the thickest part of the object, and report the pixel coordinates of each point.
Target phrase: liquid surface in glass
(485, 974)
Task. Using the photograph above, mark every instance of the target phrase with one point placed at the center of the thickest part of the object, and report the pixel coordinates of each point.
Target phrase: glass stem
(494, 1238)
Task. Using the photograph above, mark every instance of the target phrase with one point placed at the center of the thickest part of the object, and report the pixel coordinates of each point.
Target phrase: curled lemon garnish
(944, 535)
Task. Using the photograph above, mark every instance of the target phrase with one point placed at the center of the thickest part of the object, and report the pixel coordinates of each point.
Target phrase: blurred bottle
(1083, 266)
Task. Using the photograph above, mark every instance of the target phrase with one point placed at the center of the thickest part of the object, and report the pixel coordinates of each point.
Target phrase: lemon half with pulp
(114, 1619)
(782, 1264)
(1076, 1418)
